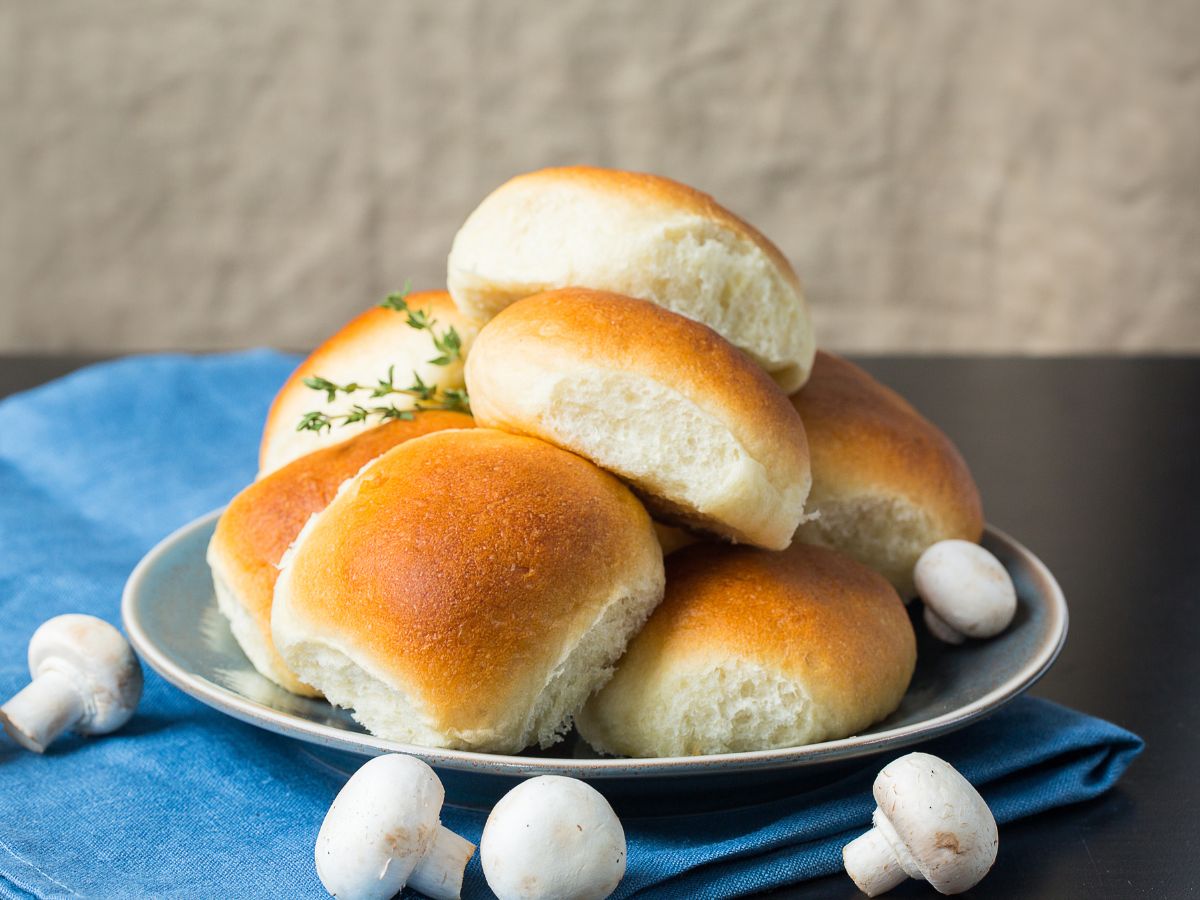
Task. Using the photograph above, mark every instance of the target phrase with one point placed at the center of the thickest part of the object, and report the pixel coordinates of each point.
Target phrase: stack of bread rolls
(642, 379)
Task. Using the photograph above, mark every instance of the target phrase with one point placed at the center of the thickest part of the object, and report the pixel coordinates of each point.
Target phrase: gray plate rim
(255, 713)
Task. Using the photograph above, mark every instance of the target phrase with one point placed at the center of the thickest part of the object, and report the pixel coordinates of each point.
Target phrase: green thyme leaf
(396, 300)
(385, 386)
(314, 421)
(456, 400)
(330, 389)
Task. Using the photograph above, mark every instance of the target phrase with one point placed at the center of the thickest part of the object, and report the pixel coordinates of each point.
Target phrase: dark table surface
(1094, 464)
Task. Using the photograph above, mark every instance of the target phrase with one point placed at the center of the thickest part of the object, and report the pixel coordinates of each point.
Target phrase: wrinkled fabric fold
(97, 467)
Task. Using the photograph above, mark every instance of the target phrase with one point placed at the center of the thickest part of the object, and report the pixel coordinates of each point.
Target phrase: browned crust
(437, 302)
(262, 521)
(809, 613)
(803, 610)
(618, 332)
(643, 187)
(863, 437)
(463, 564)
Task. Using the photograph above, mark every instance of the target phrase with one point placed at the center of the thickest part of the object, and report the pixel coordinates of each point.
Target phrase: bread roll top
(577, 328)
(753, 649)
(886, 481)
(644, 194)
(531, 364)
(462, 567)
(640, 235)
(810, 613)
(805, 611)
(862, 432)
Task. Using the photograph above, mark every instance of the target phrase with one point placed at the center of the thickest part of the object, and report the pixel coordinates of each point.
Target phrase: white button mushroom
(85, 678)
(966, 590)
(383, 832)
(555, 837)
(930, 823)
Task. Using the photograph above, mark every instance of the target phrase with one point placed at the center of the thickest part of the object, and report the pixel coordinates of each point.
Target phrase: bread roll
(886, 482)
(259, 524)
(703, 435)
(753, 650)
(468, 589)
(361, 352)
(638, 235)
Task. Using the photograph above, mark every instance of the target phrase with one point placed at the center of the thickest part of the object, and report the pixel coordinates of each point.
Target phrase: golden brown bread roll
(752, 650)
(704, 436)
(361, 352)
(468, 589)
(639, 235)
(887, 483)
(261, 521)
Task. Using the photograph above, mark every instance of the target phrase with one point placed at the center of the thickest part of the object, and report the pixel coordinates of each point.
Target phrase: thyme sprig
(319, 421)
(447, 343)
(427, 397)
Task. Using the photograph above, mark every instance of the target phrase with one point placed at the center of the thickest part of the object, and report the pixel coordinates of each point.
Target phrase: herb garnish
(448, 345)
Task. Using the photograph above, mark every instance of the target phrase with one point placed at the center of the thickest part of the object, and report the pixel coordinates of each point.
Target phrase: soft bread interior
(731, 277)
(886, 534)
(685, 463)
(588, 665)
(379, 707)
(249, 633)
(717, 705)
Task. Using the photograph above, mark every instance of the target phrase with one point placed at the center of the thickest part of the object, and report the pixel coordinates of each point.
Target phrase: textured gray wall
(944, 175)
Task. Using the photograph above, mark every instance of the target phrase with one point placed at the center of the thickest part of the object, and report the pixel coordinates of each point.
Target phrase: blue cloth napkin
(97, 467)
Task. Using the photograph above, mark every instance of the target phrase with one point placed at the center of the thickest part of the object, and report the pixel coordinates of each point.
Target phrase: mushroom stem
(941, 629)
(871, 862)
(42, 710)
(439, 874)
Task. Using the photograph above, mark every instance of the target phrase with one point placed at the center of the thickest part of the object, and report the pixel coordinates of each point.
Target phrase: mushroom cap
(967, 587)
(553, 836)
(946, 828)
(98, 660)
(378, 828)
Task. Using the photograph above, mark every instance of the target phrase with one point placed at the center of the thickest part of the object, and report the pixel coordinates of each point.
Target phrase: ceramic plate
(171, 616)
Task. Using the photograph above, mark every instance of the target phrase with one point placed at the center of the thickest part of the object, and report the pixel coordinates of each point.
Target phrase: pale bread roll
(639, 235)
(703, 435)
(256, 528)
(754, 650)
(887, 483)
(361, 352)
(468, 589)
